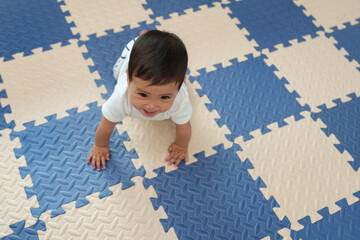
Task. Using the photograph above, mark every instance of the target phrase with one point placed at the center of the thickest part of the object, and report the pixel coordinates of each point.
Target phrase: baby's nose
(150, 106)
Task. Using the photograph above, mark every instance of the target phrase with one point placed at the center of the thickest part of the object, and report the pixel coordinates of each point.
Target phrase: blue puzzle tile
(250, 96)
(344, 224)
(164, 8)
(215, 198)
(272, 22)
(56, 154)
(4, 110)
(344, 122)
(3, 123)
(106, 50)
(349, 39)
(22, 233)
(30, 24)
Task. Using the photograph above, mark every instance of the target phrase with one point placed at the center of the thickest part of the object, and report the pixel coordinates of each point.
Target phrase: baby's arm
(179, 149)
(100, 151)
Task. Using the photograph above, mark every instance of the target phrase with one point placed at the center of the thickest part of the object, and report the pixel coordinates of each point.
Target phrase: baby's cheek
(135, 102)
(167, 106)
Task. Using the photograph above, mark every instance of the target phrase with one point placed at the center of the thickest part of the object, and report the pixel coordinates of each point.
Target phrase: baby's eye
(165, 97)
(142, 95)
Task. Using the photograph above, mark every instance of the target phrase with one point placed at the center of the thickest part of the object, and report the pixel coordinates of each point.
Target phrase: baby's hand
(176, 154)
(99, 155)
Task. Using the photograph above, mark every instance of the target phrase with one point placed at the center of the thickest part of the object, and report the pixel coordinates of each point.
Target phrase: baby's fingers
(176, 158)
(172, 158)
(89, 158)
(93, 162)
(98, 163)
(177, 162)
(179, 158)
(103, 161)
(169, 157)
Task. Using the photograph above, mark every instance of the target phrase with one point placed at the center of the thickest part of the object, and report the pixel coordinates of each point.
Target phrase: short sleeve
(183, 110)
(113, 109)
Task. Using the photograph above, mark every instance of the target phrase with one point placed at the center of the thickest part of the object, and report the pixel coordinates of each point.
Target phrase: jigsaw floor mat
(275, 147)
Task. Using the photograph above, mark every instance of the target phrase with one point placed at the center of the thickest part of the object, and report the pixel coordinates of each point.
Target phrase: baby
(150, 85)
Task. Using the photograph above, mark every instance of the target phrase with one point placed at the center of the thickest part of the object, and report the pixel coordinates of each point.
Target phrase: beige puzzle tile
(47, 83)
(127, 214)
(14, 206)
(285, 233)
(301, 168)
(96, 16)
(210, 36)
(331, 13)
(151, 139)
(317, 70)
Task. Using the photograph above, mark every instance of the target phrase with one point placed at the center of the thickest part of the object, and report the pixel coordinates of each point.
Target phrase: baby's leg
(123, 59)
(125, 56)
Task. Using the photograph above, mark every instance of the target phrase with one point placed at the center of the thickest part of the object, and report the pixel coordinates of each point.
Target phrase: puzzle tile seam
(211, 108)
(27, 26)
(291, 88)
(159, 202)
(23, 208)
(351, 59)
(149, 11)
(253, 42)
(317, 23)
(181, 12)
(344, 205)
(327, 130)
(11, 116)
(343, 51)
(352, 199)
(5, 109)
(33, 190)
(76, 31)
(214, 115)
(289, 120)
(255, 175)
(288, 43)
(294, 41)
(20, 232)
(95, 73)
(234, 20)
(111, 231)
(307, 13)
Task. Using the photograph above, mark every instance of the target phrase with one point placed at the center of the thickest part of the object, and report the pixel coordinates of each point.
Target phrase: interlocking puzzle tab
(26, 25)
(343, 121)
(30, 233)
(272, 22)
(56, 155)
(251, 96)
(276, 89)
(215, 198)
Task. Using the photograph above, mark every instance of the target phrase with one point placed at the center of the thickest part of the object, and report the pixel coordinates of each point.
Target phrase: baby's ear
(127, 74)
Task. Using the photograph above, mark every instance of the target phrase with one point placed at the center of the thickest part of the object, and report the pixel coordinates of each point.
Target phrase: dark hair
(160, 57)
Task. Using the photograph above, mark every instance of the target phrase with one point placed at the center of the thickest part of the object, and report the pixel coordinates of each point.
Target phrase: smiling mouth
(149, 114)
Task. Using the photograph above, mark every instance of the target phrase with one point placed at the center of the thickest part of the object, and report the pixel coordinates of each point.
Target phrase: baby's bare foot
(143, 32)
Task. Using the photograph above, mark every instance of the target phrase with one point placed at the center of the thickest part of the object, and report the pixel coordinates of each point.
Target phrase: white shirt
(118, 106)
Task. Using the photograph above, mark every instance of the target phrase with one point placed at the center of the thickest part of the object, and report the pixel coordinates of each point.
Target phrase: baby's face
(151, 100)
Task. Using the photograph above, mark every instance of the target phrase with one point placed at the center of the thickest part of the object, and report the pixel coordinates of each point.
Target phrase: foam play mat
(275, 146)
